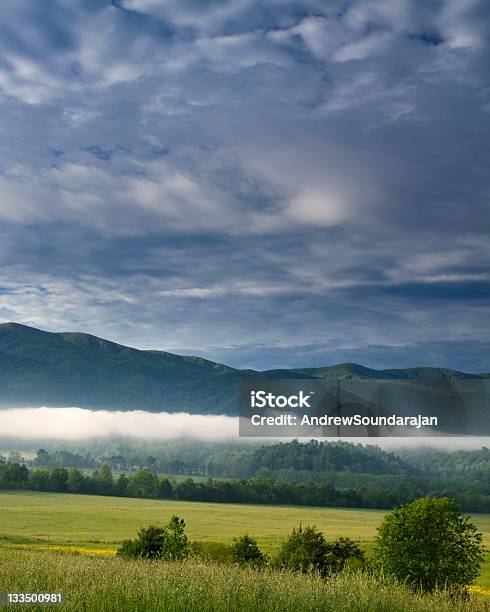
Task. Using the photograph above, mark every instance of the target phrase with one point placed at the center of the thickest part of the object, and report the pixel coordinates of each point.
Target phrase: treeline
(193, 458)
(313, 457)
(147, 483)
(62, 458)
(464, 463)
(405, 485)
(343, 464)
(289, 462)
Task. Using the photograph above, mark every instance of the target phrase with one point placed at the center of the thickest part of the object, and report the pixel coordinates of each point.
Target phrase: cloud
(459, 24)
(364, 48)
(271, 177)
(318, 208)
(52, 425)
(396, 15)
(80, 424)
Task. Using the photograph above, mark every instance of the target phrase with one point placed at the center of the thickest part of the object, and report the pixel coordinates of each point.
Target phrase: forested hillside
(39, 368)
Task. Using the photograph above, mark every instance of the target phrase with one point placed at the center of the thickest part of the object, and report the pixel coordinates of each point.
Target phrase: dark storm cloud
(268, 184)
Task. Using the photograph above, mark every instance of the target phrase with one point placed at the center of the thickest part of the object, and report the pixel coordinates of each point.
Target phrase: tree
(122, 485)
(58, 480)
(42, 457)
(144, 483)
(430, 544)
(16, 474)
(245, 551)
(75, 481)
(186, 490)
(176, 543)
(167, 543)
(39, 480)
(342, 553)
(304, 550)
(164, 488)
(148, 544)
(104, 481)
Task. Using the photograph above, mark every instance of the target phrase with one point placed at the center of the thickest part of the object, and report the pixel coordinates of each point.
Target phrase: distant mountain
(345, 371)
(39, 368)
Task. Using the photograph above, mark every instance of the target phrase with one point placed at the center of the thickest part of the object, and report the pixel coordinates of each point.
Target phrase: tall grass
(105, 584)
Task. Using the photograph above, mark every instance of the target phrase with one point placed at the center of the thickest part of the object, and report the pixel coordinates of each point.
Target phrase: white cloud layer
(79, 424)
(71, 424)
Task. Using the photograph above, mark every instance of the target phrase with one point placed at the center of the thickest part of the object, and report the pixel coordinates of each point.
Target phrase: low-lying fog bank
(82, 424)
(79, 423)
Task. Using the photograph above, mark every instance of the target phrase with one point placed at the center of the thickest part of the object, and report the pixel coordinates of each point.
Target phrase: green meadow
(37, 520)
(66, 518)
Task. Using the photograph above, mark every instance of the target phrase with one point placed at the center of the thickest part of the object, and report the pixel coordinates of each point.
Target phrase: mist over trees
(146, 483)
(313, 473)
(286, 461)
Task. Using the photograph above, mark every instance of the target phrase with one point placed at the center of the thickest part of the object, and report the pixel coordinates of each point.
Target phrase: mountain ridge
(39, 368)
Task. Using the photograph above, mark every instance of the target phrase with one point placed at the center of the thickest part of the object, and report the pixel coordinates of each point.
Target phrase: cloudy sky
(266, 183)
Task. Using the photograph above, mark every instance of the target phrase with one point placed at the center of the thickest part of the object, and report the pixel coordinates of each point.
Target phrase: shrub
(428, 543)
(342, 553)
(166, 543)
(147, 545)
(304, 550)
(245, 551)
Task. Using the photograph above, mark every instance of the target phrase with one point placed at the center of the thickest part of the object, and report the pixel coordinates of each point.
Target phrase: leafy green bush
(245, 551)
(166, 543)
(343, 553)
(148, 544)
(429, 543)
(304, 550)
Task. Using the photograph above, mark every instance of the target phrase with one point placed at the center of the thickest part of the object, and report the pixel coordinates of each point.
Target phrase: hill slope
(74, 369)
(345, 371)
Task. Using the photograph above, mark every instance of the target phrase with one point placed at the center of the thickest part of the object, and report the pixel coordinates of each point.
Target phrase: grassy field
(95, 522)
(106, 585)
(61, 518)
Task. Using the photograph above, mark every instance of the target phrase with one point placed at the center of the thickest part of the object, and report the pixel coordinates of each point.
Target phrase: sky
(269, 183)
